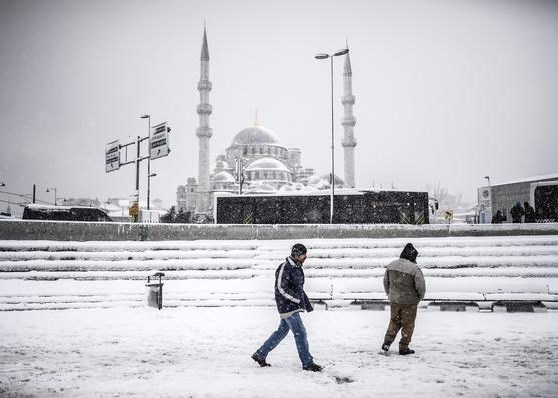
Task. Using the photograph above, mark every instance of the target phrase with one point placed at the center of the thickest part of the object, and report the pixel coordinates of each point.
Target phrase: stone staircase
(66, 275)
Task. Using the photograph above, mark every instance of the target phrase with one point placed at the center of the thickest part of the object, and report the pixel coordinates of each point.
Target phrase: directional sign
(159, 141)
(112, 156)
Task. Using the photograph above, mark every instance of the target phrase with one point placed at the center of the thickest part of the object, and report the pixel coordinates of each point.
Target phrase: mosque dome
(286, 188)
(255, 135)
(322, 181)
(261, 188)
(222, 176)
(268, 164)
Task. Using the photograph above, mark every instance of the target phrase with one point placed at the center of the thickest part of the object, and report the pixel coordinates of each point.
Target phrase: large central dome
(255, 135)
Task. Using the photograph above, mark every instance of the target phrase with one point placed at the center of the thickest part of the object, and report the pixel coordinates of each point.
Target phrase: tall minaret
(204, 132)
(348, 122)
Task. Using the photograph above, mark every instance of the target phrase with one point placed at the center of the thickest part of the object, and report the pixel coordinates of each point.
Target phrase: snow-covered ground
(205, 352)
(218, 308)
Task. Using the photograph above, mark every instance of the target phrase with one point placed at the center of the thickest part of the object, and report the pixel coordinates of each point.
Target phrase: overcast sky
(446, 91)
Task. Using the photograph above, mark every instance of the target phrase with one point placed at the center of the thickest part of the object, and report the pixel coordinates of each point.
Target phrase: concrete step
(58, 275)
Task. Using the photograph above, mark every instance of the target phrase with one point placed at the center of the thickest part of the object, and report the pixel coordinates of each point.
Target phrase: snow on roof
(36, 206)
(338, 191)
(530, 179)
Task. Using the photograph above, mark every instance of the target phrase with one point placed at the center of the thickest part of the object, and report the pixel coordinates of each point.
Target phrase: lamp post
(331, 56)
(149, 175)
(55, 196)
(487, 205)
(240, 173)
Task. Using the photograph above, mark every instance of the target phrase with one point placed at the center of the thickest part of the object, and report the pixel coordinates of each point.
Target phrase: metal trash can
(155, 291)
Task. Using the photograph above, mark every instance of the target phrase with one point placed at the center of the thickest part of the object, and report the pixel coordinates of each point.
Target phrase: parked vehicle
(64, 213)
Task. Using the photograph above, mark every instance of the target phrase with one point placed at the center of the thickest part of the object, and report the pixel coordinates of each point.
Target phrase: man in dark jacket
(529, 213)
(291, 300)
(498, 218)
(516, 213)
(405, 287)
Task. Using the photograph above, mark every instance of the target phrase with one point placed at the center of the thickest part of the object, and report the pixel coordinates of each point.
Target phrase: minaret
(348, 122)
(204, 132)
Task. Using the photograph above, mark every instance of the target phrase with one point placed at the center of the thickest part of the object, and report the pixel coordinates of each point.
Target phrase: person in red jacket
(404, 284)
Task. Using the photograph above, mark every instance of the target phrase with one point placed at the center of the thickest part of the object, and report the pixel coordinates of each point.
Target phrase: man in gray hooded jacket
(405, 287)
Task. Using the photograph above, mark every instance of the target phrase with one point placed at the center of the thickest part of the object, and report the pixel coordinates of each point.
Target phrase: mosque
(256, 161)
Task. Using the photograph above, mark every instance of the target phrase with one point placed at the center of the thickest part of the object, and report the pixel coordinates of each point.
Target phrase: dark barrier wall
(99, 231)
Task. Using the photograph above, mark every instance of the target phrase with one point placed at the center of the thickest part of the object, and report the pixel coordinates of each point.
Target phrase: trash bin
(155, 291)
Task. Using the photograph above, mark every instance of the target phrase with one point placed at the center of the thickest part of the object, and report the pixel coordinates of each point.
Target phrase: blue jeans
(294, 323)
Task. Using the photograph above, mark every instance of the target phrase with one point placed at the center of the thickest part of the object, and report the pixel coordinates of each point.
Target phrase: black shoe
(406, 351)
(313, 367)
(261, 361)
(385, 347)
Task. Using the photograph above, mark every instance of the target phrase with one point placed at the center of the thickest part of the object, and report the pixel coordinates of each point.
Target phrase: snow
(529, 179)
(205, 352)
(218, 307)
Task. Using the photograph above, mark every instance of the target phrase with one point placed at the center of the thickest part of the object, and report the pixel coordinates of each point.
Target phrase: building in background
(256, 160)
(349, 142)
(504, 196)
(119, 210)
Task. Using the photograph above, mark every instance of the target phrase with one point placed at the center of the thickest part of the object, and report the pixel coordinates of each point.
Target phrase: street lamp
(331, 56)
(488, 179)
(149, 175)
(55, 196)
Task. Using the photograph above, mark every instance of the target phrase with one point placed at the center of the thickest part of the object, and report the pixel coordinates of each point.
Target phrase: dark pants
(402, 317)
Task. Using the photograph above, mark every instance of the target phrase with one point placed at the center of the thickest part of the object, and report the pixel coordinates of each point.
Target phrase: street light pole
(149, 175)
(488, 179)
(332, 177)
(55, 196)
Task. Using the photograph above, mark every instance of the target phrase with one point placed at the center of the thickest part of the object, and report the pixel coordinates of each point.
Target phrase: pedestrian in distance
(498, 218)
(529, 212)
(404, 284)
(516, 213)
(291, 300)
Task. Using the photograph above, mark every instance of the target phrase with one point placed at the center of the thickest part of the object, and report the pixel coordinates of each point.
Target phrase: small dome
(261, 188)
(286, 188)
(255, 135)
(322, 181)
(223, 176)
(267, 164)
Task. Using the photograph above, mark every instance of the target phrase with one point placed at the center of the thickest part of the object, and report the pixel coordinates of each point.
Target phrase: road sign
(112, 156)
(159, 141)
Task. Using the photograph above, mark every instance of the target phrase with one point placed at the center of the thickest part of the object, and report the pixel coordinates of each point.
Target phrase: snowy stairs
(64, 275)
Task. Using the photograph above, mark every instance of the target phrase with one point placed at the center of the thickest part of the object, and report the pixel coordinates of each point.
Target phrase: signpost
(159, 141)
(112, 156)
(158, 147)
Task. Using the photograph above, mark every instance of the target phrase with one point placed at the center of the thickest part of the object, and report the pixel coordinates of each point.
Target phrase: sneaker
(385, 347)
(261, 361)
(313, 367)
(406, 351)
